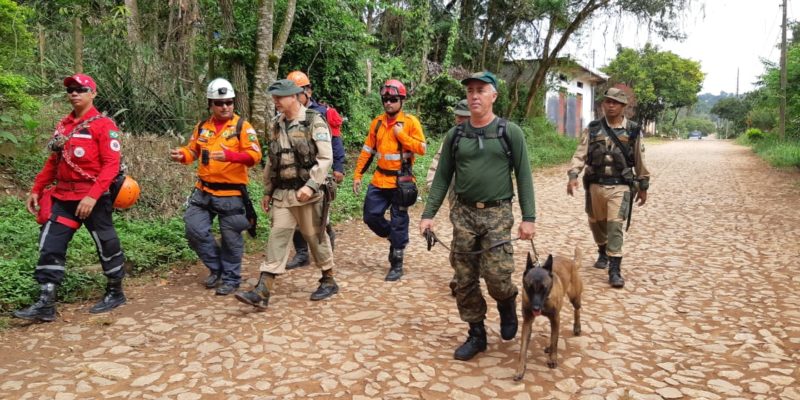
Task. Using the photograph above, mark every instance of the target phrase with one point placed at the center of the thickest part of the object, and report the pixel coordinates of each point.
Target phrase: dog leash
(431, 239)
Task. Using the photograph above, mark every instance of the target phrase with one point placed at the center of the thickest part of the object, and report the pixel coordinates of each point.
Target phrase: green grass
(778, 153)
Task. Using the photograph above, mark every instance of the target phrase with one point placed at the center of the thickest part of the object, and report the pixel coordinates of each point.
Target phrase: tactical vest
(291, 166)
(612, 165)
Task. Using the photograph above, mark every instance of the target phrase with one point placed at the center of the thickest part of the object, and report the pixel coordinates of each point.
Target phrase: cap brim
(71, 81)
(484, 80)
(284, 93)
(618, 100)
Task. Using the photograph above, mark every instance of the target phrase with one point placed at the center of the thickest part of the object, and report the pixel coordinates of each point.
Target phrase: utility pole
(782, 112)
(737, 81)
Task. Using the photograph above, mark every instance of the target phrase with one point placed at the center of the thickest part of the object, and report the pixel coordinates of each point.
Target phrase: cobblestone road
(710, 310)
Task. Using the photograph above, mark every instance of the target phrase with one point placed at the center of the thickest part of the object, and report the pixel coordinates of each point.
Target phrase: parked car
(695, 135)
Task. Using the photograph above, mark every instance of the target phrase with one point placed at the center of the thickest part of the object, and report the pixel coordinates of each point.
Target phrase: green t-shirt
(481, 169)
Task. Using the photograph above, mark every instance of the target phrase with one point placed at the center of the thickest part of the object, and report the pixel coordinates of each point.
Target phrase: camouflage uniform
(482, 214)
(475, 229)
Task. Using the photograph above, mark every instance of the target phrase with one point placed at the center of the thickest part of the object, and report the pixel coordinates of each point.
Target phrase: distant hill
(707, 100)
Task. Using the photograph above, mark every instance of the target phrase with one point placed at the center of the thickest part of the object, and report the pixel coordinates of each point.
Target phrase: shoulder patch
(251, 131)
(113, 134)
(115, 146)
(322, 136)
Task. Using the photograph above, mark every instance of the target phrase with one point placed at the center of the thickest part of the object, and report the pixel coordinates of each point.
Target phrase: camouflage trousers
(476, 229)
(607, 212)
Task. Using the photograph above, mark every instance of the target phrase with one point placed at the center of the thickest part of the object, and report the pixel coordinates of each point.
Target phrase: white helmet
(220, 89)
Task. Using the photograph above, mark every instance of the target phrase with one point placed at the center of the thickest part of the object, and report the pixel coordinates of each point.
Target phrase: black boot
(396, 268)
(602, 258)
(508, 317)
(112, 299)
(327, 287)
(43, 310)
(614, 274)
(213, 279)
(476, 342)
(300, 258)
(259, 296)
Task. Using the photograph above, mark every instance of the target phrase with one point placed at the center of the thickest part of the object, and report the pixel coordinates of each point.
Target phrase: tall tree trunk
(268, 61)
(485, 46)
(549, 57)
(41, 43)
(452, 37)
(134, 32)
(369, 77)
(77, 40)
(238, 71)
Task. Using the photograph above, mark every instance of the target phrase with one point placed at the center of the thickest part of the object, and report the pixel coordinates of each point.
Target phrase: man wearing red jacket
(84, 161)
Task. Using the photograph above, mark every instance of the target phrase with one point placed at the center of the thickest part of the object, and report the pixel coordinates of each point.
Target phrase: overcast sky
(722, 34)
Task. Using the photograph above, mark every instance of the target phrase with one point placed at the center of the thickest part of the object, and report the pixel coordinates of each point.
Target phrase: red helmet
(393, 87)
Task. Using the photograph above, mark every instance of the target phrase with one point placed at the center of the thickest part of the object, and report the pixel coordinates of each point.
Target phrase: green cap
(485, 76)
(617, 94)
(284, 87)
(462, 108)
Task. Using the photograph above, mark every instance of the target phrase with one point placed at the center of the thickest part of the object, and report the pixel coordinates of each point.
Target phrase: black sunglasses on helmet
(390, 99)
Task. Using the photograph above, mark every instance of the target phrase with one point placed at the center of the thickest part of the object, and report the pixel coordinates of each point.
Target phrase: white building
(569, 102)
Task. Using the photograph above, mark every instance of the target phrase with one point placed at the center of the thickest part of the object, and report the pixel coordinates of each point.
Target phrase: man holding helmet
(84, 161)
(225, 146)
(393, 138)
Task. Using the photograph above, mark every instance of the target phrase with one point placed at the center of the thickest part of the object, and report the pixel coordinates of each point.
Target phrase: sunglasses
(220, 103)
(390, 99)
(81, 89)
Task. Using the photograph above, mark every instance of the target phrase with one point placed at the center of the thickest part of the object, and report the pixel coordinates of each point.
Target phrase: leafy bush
(435, 101)
(778, 153)
(754, 134)
(546, 146)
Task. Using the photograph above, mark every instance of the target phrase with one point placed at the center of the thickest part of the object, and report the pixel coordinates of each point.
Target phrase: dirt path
(711, 310)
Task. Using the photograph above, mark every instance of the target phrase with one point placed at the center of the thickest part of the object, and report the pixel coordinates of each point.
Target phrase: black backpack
(501, 134)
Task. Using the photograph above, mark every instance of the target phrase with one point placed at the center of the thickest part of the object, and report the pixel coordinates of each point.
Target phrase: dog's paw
(576, 330)
(547, 350)
(552, 363)
(518, 376)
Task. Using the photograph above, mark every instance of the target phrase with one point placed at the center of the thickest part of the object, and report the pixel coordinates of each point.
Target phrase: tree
(561, 19)
(269, 50)
(235, 57)
(733, 109)
(660, 80)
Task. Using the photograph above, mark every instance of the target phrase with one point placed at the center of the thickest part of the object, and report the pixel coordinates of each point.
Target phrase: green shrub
(547, 147)
(754, 134)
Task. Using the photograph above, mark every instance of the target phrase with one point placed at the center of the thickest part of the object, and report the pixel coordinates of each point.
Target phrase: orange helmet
(128, 194)
(299, 78)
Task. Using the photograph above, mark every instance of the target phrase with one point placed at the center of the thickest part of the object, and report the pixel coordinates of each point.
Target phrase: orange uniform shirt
(384, 145)
(205, 137)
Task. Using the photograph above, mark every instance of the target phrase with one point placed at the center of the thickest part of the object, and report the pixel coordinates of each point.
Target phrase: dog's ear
(529, 264)
(548, 265)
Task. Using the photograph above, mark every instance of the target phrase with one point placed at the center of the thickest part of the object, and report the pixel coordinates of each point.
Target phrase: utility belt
(249, 210)
(609, 180)
(294, 184)
(389, 172)
(483, 204)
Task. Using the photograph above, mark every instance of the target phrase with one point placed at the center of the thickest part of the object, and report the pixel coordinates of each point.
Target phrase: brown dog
(543, 290)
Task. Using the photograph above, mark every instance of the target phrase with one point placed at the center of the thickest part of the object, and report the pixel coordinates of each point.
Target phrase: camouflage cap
(284, 87)
(484, 76)
(462, 108)
(616, 94)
